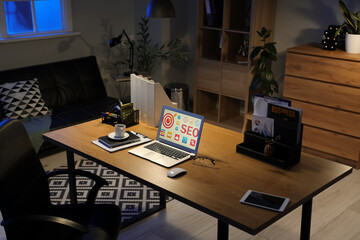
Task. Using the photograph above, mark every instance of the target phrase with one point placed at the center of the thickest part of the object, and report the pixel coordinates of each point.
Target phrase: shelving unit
(223, 76)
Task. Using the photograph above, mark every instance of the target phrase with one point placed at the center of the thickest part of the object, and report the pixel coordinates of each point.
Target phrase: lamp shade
(160, 9)
(114, 41)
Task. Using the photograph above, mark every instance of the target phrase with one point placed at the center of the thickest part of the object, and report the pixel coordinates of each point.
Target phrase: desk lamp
(115, 41)
(160, 9)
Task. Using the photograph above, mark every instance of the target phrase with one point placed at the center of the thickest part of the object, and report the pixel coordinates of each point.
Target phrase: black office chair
(25, 198)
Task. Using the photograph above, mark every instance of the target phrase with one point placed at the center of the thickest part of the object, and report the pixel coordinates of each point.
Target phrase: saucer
(112, 136)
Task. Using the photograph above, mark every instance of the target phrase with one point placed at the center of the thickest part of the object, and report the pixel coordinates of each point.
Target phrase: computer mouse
(175, 172)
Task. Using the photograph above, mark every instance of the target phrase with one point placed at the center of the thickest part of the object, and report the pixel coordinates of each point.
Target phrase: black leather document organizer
(284, 155)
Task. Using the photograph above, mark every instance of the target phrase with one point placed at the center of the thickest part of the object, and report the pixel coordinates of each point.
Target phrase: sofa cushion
(81, 111)
(22, 99)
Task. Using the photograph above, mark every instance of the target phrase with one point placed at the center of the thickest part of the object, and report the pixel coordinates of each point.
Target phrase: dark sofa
(73, 90)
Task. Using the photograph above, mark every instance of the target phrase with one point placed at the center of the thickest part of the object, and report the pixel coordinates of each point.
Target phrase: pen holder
(129, 119)
(284, 155)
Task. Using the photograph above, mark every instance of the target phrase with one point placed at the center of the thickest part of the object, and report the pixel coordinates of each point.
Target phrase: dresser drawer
(235, 81)
(326, 94)
(332, 143)
(209, 76)
(329, 118)
(323, 68)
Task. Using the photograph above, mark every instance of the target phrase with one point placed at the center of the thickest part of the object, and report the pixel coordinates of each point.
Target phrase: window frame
(66, 23)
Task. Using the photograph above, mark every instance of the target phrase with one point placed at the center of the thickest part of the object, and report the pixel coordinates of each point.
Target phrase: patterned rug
(133, 197)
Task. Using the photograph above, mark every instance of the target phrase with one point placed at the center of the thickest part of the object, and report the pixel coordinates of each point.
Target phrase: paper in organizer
(275, 117)
(260, 122)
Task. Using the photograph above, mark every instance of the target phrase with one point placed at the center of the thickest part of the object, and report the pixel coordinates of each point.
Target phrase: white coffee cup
(120, 130)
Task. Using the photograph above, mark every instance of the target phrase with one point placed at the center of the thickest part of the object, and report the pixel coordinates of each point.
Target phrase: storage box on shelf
(326, 85)
(223, 72)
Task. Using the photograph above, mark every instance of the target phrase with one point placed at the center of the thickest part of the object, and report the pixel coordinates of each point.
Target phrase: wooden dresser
(326, 85)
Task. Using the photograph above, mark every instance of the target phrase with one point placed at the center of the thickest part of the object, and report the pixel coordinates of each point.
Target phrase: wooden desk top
(215, 191)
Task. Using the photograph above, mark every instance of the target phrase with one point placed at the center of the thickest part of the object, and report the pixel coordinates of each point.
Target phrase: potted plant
(147, 54)
(263, 76)
(352, 24)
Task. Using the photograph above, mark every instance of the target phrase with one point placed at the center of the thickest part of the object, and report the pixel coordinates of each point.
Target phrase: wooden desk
(215, 191)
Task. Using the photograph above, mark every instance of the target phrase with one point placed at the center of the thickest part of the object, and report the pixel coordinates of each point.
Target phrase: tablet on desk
(265, 200)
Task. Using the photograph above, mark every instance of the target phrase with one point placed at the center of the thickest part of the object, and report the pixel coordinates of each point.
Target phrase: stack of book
(110, 143)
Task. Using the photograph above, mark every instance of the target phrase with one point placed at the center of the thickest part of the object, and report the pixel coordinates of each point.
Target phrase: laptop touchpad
(151, 155)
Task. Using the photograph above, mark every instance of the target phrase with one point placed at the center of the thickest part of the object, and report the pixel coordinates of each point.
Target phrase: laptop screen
(180, 129)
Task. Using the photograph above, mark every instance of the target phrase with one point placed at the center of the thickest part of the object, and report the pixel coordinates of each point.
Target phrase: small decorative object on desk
(124, 114)
(127, 114)
(269, 147)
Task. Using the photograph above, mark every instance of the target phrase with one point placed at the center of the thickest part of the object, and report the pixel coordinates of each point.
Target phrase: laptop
(177, 139)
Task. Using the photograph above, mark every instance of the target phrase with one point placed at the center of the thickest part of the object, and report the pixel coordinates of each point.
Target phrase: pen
(139, 134)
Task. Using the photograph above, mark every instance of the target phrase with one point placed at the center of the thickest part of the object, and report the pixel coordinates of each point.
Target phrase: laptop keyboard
(167, 151)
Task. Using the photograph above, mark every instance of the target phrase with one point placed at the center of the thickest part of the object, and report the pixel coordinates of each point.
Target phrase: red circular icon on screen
(168, 120)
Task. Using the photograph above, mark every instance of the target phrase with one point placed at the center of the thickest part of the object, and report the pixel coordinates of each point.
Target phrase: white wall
(87, 17)
(297, 22)
(86, 20)
(301, 22)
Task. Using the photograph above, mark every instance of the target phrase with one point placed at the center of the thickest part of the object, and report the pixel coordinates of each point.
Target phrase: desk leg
(162, 199)
(72, 179)
(223, 230)
(306, 220)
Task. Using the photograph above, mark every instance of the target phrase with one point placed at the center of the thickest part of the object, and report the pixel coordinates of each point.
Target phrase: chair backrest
(23, 183)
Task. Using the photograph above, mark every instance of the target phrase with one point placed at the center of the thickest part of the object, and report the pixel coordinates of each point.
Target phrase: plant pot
(352, 43)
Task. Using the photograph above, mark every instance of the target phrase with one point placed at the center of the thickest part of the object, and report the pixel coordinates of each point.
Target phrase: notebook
(116, 143)
(177, 139)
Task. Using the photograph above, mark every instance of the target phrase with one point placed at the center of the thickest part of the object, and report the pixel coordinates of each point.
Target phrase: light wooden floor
(336, 215)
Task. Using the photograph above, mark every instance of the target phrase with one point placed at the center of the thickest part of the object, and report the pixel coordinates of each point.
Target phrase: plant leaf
(346, 13)
(255, 52)
(255, 83)
(267, 34)
(339, 29)
(263, 31)
(273, 57)
(271, 48)
(356, 16)
(264, 56)
(263, 78)
(262, 66)
(269, 76)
